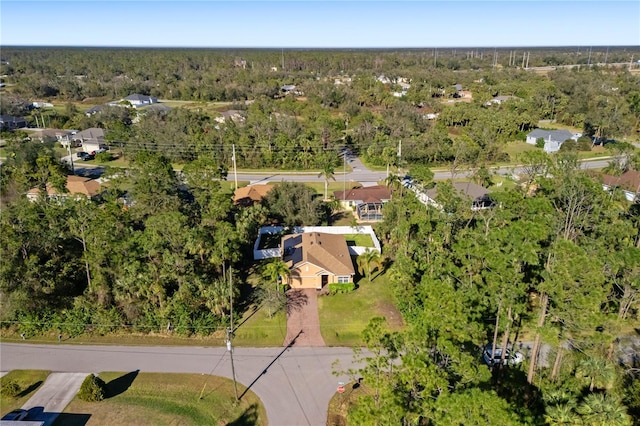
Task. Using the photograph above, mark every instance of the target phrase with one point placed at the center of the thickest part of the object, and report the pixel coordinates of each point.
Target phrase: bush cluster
(335, 288)
(93, 389)
(9, 388)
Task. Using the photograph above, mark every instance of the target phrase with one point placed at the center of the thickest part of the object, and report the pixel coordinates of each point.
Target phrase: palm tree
(597, 372)
(368, 260)
(394, 183)
(562, 414)
(603, 409)
(328, 173)
(276, 270)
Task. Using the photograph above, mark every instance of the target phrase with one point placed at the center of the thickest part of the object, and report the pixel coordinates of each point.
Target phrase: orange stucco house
(316, 259)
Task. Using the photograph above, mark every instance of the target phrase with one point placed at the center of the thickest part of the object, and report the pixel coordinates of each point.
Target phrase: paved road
(53, 396)
(295, 384)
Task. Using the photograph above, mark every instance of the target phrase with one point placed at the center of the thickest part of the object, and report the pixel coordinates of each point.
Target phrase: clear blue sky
(320, 23)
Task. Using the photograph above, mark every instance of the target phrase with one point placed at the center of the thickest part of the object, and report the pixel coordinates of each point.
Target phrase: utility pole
(230, 334)
(70, 155)
(344, 176)
(235, 169)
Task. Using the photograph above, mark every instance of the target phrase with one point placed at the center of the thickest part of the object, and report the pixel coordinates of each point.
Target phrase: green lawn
(28, 380)
(343, 317)
(360, 240)
(166, 399)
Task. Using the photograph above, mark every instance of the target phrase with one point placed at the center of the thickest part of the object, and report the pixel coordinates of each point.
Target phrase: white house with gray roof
(553, 139)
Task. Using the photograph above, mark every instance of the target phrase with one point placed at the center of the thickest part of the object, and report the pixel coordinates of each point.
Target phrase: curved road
(295, 384)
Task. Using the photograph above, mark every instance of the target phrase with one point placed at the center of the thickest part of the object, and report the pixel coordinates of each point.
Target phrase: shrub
(93, 389)
(103, 157)
(10, 388)
(335, 288)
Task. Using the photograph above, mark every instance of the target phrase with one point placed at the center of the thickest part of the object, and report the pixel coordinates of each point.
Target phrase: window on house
(343, 280)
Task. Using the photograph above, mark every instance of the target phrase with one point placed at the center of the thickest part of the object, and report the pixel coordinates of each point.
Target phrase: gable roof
(464, 189)
(554, 135)
(75, 185)
(254, 193)
(138, 97)
(326, 251)
(629, 180)
(370, 194)
(91, 133)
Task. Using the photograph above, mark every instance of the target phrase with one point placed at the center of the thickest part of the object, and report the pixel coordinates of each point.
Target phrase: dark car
(16, 415)
(85, 156)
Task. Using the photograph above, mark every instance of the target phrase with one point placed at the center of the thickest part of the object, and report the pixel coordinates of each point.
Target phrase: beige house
(316, 259)
(78, 187)
(250, 195)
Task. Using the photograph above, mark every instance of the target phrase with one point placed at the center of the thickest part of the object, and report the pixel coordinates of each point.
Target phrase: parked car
(16, 415)
(495, 358)
(85, 156)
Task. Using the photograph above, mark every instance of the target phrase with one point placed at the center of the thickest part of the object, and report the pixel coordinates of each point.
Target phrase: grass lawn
(166, 399)
(28, 380)
(344, 316)
(341, 402)
(256, 329)
(360, 240)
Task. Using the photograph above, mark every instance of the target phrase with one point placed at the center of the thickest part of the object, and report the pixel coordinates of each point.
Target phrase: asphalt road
(295, 384)
(359, 172)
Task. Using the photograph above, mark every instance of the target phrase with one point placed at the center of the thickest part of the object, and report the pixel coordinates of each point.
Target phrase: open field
(166, 399)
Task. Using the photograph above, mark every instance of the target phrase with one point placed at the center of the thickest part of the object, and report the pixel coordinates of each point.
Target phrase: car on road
(494, 357)
(16, 415)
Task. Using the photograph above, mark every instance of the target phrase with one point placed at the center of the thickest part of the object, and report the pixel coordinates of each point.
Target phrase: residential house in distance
(366, 201)
(499, 100)
(52, 135)
(78, 187)
(553, 139)
(137, 100)
(628, 182)
(316, 259)
(91, 139)
(232, 114)
(9, 122)
(476, 195)
(249, 195)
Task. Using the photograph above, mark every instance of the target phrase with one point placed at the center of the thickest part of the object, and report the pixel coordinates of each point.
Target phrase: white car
(495, 358)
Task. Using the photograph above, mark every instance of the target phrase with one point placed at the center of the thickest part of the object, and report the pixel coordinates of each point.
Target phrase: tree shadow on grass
(248, 418)
(30, 389)
(121, 384)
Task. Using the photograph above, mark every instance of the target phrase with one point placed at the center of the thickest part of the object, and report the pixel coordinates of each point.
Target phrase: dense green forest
(555, 264)
(354, 98)
(561, 265)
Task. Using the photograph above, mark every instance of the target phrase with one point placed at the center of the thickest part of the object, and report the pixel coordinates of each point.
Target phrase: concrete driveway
(53, 396)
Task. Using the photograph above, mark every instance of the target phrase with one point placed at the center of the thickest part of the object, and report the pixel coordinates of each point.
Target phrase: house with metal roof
(476, 195)
(553, 139)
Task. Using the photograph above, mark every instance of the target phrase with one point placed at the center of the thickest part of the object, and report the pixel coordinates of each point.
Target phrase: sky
(319, 24)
